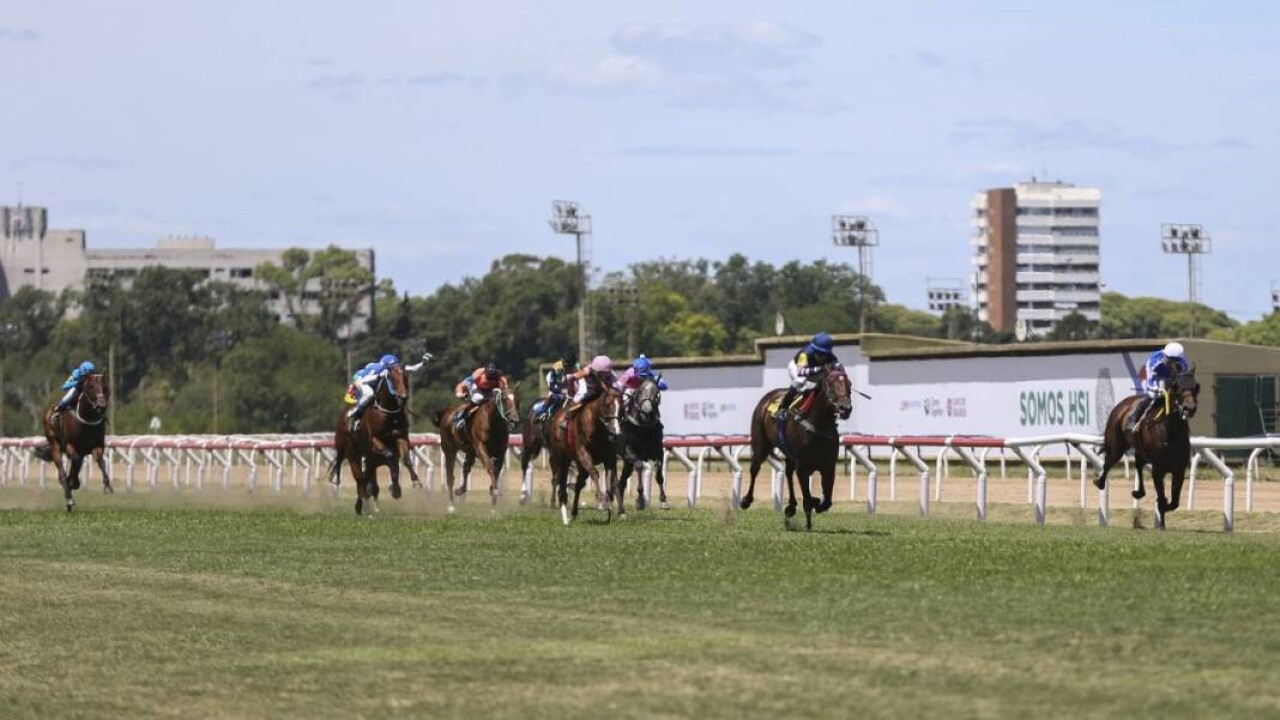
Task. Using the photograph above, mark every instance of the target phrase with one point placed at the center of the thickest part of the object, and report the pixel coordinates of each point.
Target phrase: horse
(78, 431)
(1161, 438)
(534, 435)
(590, 439)
(642, 443)
(484, 437)
(382, 439)
(809, 441)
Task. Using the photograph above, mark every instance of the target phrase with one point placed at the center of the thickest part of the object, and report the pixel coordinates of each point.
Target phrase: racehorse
(534, 435)
(809, 441)
(483, 437)
(590, 440)
(382, 439)
(642, 443)
(78, 431)
(1161, 438)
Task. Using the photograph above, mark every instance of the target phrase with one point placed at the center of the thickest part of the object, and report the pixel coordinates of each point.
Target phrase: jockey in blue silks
(634, 377)
(813, 360)
(73, 384)
(1162, 367)
(366, 379)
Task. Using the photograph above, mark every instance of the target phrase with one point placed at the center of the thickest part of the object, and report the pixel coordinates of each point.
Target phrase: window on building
(242, 272)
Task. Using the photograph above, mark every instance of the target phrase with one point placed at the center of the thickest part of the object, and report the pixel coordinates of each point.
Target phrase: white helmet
(1175, 350)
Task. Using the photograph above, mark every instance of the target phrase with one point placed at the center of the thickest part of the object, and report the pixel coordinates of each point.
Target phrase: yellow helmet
(559, 366)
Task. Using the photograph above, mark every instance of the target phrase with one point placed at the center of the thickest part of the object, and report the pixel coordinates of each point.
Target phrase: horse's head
(609, 410)
(96, 391)
(646, 401)
(395, 385)
(508, 406)
(838, 389)
(1186, 393)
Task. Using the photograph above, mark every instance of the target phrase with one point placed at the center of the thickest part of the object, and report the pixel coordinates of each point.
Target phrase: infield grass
(201, 612)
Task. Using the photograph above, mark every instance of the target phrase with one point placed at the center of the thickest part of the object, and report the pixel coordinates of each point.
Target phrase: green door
(1246, 405)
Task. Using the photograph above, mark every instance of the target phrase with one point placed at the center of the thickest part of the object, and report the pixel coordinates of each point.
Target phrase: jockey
(814, 359)
(635, 376)
(590, 381)
(477, 387)
(557, 382)
(364, 380)
(73, 383)
(1161, 368)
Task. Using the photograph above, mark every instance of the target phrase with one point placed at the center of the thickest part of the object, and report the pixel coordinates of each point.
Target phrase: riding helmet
(642, 365)
(389, 360)
(1175, 350)
(822, 341)
(87, 367)
(492, 371)
(602, 364)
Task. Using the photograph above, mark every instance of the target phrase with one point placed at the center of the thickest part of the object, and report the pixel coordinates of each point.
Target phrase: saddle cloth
(800, 405)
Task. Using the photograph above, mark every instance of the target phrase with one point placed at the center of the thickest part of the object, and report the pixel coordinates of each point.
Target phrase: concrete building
(1035, 255)
(31, 255)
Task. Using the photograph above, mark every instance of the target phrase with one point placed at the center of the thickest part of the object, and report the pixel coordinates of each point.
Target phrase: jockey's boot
(1139, 409)
(785, 406)
(564, 421)
(354, 422)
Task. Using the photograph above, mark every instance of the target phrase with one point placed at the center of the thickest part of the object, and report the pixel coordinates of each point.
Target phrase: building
(921, 386)
(1035, 255)
(31, 255)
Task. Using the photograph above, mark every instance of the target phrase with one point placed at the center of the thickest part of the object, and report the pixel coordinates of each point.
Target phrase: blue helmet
(823, 342)
(87, 367)
(389, 360)
(642, 366)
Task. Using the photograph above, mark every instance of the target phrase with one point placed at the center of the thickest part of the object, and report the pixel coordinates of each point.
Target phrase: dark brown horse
(809, 441)
(484, 437)
(1161, 438)
(642, 444)
(381, 439)
(78, 431)
(534, 435)
(589, 440)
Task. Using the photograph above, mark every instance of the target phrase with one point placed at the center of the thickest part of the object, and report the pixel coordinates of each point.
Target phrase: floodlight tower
(945, 294)
(1192, 241)
(1275, 295)
(568, 219)
(856, 231)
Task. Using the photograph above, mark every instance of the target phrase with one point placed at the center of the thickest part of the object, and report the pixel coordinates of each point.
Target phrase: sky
(438, 133)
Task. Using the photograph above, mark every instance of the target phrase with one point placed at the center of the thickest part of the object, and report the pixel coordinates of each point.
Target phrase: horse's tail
(43, 452)
(438, 417)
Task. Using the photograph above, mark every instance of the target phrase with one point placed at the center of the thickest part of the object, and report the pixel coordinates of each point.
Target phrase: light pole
(945, 294)
(222, 340)
(568, 219)
(1275, 295)
(7, 331)
(628, 298)
(856, 231)
(1192, 241)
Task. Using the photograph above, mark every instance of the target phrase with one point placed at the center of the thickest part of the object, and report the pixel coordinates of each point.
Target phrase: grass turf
(200, 612)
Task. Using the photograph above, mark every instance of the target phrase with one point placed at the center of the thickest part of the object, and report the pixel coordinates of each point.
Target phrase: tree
(322, 290)
(1148, 317)
(287, 381)
(1074, 326)
(1259, 332)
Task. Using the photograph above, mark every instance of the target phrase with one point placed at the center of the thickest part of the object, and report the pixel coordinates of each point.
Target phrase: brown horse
(534, 436)
(1161, 438)
(589, 440)
(810, 441)
(78, 431)
(484, 436)
(382, 439)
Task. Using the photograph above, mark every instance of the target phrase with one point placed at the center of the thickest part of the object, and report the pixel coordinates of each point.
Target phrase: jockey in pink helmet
(591, 381)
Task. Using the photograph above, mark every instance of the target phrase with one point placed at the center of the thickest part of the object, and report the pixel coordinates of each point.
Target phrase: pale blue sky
(439, 132)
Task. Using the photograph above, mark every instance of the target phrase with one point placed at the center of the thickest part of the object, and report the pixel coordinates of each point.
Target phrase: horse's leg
(560, 488)
(580, 481)
(1113, 453)
(100, 458)
(450, 460)
(73, 475)
(803, 473)
(660, 477)
(393, 467)
(1139, 485)
(468, 462)
(357, 477)
(1179, 475)
(1158, 472)
(828, 475)
(627, 468)
(492, 466)
(406, 457)
(790, 470)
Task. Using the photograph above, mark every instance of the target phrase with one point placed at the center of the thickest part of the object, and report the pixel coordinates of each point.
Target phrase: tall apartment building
(56, 260)
(1035, 255)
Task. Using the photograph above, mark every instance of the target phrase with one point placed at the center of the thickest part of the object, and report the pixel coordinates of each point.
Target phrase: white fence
(302, 460)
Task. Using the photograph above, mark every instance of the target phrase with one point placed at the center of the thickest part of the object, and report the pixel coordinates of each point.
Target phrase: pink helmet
(602, 364)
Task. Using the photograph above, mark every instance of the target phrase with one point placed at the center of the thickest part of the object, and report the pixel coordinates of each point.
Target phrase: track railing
(194, 461)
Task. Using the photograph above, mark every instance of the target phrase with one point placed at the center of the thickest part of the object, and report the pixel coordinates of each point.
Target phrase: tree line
(178, 341)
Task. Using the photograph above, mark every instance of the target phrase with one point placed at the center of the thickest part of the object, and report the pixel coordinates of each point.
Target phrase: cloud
(18, 34)
(1058, 135)
(742, 66)
(435, 78)
(84, 162)
(930, 60)
(708, 151)
(334, 82)
(320, 62)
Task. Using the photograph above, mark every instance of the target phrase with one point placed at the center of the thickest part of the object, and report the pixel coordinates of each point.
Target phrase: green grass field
(123, 612)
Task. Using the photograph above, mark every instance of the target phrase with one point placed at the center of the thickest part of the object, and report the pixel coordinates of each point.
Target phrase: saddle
(800, 405)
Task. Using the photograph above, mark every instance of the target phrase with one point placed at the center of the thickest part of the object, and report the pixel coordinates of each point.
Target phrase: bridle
(384, 382)
(613, 401)
(98, 411)
(842, 406)
(510, 418)
(645, 404)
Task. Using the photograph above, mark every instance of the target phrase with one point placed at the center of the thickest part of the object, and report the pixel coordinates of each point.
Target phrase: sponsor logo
(707, 410)
(1055, 408)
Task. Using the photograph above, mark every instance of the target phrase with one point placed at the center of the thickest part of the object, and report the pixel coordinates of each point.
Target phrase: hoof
(641, 503)
(823, 507)
(395, 492)
(460, 491)
(665, 505)
(70, 504)
(108, 490)
(524, 498)
(564, 514)
(789, 511)
(811, 504)
(452, 510)
(359, 507)
(75, 484)
(1139, 494)
(622, 515)
(745, 503)
(1100, 483)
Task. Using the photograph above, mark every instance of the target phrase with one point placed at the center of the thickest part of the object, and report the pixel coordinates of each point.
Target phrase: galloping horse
(78, 431)
(484, 437)
(534, 436)
(381, 439)
(809, 441)
(1162, 438)
(642, 443)
(590, 439)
